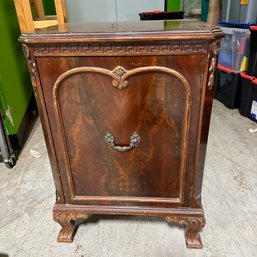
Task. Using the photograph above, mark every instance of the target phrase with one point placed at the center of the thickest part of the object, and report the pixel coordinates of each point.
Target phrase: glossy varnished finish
(153, 80)
(123, 31)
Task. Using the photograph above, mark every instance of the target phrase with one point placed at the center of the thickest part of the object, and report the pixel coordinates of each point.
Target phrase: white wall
(109, 10)
(187, 4)
(91, 10)
(128, 10)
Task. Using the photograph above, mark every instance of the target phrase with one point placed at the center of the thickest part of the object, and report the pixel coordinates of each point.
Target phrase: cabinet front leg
(67, 221)
(193, 227)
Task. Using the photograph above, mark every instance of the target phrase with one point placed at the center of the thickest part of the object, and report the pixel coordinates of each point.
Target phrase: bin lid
(228, 30)
(236, 25)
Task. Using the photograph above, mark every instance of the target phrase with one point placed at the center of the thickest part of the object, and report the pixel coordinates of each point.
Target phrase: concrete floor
(229, 199)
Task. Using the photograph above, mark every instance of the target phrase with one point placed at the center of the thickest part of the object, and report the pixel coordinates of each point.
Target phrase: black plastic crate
(228, 89)
(252, 64)
(248, 107)
(160, 15)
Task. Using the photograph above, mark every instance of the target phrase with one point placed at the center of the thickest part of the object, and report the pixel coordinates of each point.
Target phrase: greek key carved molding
(118, 49)
(213, 63)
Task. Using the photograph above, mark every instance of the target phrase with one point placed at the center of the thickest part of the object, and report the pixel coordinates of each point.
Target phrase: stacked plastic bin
(232, 59)
(248, 107)
(239, 11)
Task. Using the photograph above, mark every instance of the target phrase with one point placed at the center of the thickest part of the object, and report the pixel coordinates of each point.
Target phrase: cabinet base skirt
(192, 219)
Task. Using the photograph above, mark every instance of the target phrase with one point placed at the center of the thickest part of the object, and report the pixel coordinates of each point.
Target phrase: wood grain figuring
(122, 182)
(38, 93)
(38, 8)
(24, 16)
(158, 90)
(27, 14)
(53, 65)
(45, 23)
(60, 7)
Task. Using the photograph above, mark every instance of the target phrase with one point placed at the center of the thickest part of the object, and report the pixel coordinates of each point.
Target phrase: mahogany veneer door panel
(160, 102)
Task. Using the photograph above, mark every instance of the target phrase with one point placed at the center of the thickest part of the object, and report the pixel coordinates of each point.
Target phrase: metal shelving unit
(6, 152)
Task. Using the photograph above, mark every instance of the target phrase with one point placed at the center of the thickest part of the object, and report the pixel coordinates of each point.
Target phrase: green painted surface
(173, 5)
(49, 7)
(15, 86)
(205, 8)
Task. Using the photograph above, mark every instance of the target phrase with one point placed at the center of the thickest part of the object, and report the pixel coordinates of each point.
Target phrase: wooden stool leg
(38, 8)
(25, 17)
(60, 6)
(24, 14)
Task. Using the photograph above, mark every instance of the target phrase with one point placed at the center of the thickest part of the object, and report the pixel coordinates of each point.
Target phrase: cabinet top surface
(122, 31)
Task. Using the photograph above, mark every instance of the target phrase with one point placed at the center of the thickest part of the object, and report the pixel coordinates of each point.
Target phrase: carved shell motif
(118, 75)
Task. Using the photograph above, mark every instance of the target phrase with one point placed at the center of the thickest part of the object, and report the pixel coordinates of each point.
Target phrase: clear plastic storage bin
(234, 47)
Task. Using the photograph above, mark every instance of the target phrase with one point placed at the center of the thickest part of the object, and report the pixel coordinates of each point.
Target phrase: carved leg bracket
(193, 227)
(67, 221)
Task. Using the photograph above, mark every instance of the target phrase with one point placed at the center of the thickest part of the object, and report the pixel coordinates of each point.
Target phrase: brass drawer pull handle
(134, 141)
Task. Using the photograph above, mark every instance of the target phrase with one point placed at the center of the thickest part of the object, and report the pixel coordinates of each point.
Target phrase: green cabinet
(49, 7)
(15, 85)
(173, 5)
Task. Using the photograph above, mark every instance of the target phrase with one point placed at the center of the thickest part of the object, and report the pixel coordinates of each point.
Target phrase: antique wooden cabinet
(125, 109)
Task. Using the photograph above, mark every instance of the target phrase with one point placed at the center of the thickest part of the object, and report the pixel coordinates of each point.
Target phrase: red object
(159, 12)
(223, 68)
(253, 27)
(245, 76)
(255, 81)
